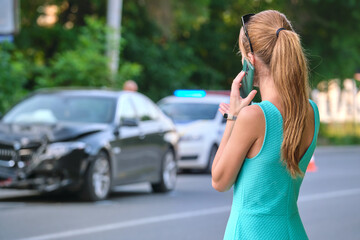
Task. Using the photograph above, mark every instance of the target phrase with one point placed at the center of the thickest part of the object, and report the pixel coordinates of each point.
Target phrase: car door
(152, 134)
(127, 147)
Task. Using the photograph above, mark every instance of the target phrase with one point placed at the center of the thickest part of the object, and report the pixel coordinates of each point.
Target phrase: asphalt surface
(329, 205)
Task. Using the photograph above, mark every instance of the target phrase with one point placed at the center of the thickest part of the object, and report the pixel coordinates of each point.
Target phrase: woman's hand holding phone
(236, 101)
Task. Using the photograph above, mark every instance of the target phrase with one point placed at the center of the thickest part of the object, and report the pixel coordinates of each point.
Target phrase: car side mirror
(128, 122)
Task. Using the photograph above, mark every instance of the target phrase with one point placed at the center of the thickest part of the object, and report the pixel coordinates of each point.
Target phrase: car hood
(36, 133)
(194, 127)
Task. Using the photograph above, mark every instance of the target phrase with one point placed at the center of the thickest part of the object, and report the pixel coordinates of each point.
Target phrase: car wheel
(168, 174)
(97, 179)
(212, 154)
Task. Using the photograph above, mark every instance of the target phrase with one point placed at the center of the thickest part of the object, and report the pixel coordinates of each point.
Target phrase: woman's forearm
(227, 133)
(224, 173)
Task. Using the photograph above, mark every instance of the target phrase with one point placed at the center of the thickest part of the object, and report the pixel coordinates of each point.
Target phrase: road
(328, 204)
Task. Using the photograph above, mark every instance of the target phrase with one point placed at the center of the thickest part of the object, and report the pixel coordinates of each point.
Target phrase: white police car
(200, 124)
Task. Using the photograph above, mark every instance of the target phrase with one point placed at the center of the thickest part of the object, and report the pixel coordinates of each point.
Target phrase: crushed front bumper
(30, 169)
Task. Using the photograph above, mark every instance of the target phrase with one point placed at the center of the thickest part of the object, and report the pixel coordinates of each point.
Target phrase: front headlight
(172, 137)
(57, 150)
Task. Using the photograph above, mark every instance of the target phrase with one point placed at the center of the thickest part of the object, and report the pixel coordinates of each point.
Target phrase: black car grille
(8, 159)
(7, 154)
(12, 161)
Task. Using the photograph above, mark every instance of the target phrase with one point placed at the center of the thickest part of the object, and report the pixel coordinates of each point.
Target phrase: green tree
(12, 75)
(330, 33)
(177, 44)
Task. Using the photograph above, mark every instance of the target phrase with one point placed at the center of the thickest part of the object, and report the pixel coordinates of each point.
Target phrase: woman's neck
(268, 90)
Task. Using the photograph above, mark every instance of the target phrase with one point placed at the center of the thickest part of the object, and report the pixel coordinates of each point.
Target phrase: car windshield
(183, 112)
(54, 108)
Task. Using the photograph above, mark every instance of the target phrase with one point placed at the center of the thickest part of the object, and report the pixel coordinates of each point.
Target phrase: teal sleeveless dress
(265, 195)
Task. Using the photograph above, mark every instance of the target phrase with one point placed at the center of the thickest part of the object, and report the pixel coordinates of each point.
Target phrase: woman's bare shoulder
(250, 123)
(251, 113)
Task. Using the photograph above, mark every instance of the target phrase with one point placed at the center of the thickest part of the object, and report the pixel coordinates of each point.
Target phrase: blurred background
(166, 45)
(163, 46)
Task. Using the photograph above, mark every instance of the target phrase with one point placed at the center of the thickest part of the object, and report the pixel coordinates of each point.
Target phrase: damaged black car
(87, 142)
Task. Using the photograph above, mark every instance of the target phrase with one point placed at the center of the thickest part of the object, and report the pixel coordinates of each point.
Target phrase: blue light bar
(190, 93)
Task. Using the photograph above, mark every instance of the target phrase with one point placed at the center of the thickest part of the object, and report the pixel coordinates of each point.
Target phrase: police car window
(145, 109)
(180, 112)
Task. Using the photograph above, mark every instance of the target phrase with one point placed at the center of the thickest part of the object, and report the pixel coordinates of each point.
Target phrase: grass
(347, 133)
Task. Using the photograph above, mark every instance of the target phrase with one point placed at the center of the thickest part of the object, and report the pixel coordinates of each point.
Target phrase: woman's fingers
(250, 97)
(222, 111)
(225, 105)
(237, 84)
(224, 108)
(239, 77)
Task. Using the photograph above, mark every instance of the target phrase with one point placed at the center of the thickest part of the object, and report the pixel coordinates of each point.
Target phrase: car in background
(200, 124)
(87, 141)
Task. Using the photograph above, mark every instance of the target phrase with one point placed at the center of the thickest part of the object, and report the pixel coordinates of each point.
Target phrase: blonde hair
(286, 61)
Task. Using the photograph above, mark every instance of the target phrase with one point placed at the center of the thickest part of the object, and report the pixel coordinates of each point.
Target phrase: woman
(265, 151)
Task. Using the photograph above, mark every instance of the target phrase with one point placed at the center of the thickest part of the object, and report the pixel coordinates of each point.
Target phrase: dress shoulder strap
(316, 117)
(273, 128)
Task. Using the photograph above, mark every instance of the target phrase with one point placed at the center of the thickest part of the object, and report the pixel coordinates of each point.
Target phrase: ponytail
(289, 70)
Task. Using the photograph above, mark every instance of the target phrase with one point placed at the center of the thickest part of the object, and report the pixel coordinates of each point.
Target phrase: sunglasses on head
(244, 20)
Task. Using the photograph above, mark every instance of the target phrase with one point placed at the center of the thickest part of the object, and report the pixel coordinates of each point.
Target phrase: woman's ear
(251, 58)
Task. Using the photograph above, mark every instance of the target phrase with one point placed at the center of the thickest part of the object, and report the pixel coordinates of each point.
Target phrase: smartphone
(247, 81)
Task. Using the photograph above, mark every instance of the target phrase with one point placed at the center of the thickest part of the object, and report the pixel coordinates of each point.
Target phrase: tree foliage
(330, 33)
(12, 75)
(86, 64)
(166, 44)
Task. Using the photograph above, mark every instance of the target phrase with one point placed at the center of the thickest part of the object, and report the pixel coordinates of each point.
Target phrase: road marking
(132, 223)
(176, 216)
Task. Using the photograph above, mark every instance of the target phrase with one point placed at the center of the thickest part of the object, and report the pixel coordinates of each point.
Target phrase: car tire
(168, 174)
(212, 154)
(97, 180)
